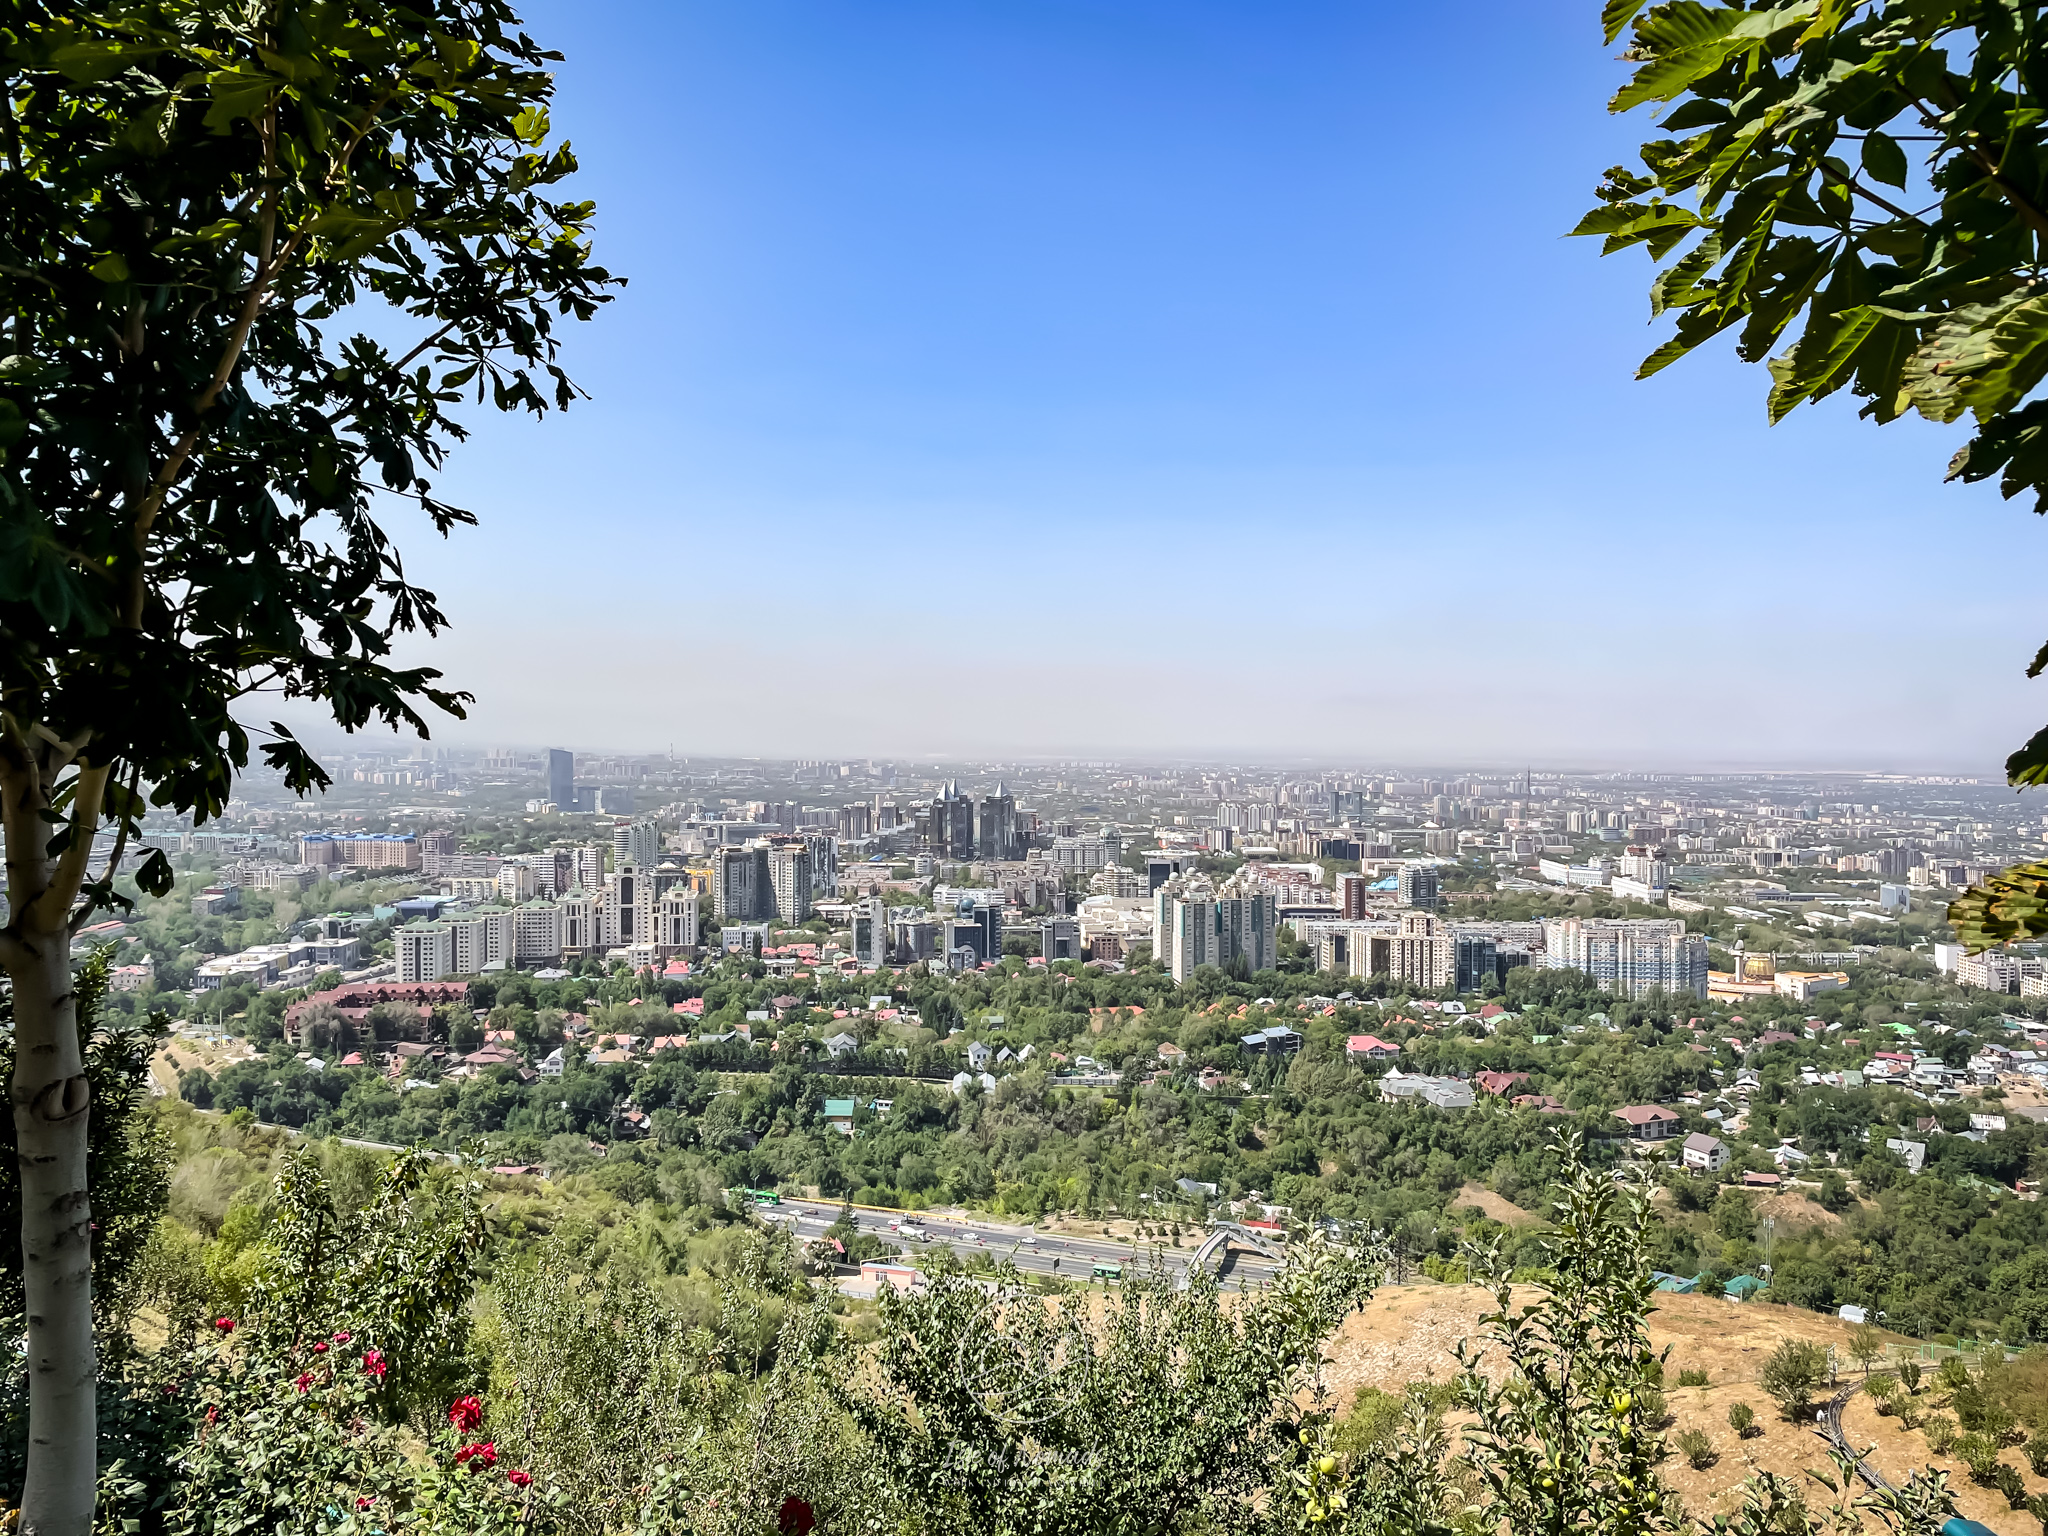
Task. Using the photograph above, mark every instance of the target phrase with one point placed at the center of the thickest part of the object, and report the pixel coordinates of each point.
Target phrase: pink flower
(224, 1324)
(320, 1348)
(519, 1479)
(304, 1380)
(466, 1413)
(343, 1337)
(374, 1363)
(365, 1500)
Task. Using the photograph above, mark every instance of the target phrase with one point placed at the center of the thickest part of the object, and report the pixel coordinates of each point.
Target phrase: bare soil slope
(1410, 1333)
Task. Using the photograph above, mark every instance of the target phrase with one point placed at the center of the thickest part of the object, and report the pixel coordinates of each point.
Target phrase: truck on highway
(911, 1229)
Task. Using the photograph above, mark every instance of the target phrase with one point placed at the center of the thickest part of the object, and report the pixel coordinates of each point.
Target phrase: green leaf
(1818, 361)
(1982, 358)
(2011, 906)
(1883, 158)
(111, 268)
(2014, 447)
(240, 92)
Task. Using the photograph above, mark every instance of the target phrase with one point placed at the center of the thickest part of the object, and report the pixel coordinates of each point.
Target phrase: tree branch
(1864, 192)
(51, 910)
(106, 881)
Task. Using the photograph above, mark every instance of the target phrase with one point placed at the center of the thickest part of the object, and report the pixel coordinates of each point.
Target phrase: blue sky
(1181, 380)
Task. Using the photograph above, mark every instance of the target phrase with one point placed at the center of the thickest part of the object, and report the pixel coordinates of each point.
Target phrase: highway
(1034, 1252)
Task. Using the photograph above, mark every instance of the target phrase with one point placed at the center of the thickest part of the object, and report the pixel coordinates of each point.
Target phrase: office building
(1195, 924)
(789, 881)
(586, 869)
(1475, 962)
(1417, 887)
(1162, 867)
(582, 922)
(870, 926)
(1629, 957)
(855, 821)
(629, 903)
(995, 831)
(562, 779)
(1059, 938)
(675, 917)
(741, 890)
(949, 828)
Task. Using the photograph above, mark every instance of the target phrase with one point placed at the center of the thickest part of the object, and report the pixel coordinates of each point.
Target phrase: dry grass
(1410, 1332)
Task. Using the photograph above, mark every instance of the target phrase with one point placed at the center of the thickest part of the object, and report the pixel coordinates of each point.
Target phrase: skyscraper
(789, 878)
(741, 892)
(636, 842)
(951, 824)
(562, 779)
(1418, 887)
(995, 833)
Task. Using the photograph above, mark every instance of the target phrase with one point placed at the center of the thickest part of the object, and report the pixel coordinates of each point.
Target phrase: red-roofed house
(1498, 1083)
(1649, 1122)
(1370, 1048)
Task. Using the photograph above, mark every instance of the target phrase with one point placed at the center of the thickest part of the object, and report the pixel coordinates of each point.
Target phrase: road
(1034, 1252)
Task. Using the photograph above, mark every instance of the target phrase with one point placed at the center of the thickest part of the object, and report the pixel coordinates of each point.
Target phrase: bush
(1941, 1434)
(2037, 1456)
(2007, 1480)
(1697, 1449)
(1692, 1378)
(1792, 1374)
(1910, 1375)
(1980, 1454)
(1742, 1419)
(1656, 1411)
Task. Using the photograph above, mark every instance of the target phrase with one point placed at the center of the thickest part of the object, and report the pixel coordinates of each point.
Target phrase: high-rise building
(636, 842)
(582, 920)
(586, 869)
(855, 821)
(1476, 960)
(1351, 895)
(425, 952)
(871, 931)
(675, 918)
(562, 779)
(1418, 887)
(1195, 924)
(537, 928)
(995, 832)
(949, 824)
(1059, 938)
(629, 903)
(740, 887)
(1629, 957)
(789, 879)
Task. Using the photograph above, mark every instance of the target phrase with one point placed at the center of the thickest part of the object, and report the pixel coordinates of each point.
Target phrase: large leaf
(2009, 907)
(2015, 448)
(1982, 358)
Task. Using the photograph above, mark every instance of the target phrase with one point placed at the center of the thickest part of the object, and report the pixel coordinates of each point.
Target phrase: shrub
(1742, 1419)
(1980, 1454)
(2007, 1480)
(1697, 1449)
(1792, 1374)
(1910, 1375)
(1941, 1434)
(2037, 1456)
(1656, 1411)
(1692, 1378)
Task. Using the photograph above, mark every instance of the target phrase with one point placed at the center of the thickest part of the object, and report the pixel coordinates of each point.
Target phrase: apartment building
(1629, 957)
(1195, 924)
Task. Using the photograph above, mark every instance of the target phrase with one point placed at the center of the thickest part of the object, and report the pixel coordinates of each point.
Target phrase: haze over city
(1163, 381)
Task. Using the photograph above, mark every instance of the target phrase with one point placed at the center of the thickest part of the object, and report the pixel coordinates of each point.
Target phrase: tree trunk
(50, 1114)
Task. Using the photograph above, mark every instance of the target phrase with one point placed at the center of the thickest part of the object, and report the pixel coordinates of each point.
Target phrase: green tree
(197, 457)
(1792, 1374)
(1880, 169)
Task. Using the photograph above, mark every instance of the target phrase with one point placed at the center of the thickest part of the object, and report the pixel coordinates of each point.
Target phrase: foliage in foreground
(1880, 169)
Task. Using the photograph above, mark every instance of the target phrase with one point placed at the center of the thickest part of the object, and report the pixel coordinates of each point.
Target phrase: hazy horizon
(1180, 382)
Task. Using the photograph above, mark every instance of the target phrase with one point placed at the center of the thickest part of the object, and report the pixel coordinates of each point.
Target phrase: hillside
(1409, 1332)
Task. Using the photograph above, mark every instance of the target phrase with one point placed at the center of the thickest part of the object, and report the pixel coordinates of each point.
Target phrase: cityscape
(782, 770)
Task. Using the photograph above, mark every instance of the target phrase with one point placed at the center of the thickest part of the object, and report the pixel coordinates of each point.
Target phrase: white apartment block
(538, 931)
(789, 876)
(636, 842)
(1631, 957)
(1195, 924)
(426, 952)
(582, 922)
(675, 922)
(629, 903)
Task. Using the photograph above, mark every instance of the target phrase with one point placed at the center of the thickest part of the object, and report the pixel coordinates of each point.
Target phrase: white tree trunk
(50, 1117)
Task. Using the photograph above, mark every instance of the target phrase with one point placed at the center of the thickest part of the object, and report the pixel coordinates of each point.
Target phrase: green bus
(760, 1196)
(1107, 1271)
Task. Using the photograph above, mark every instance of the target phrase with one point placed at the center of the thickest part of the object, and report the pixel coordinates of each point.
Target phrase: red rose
(305, 1380)
(320, 1348)
(466, 1413)
(519, 1479)
(364, 1501)
(224, 1324)
(374, 1363)
(343, 1337)
(795, 1518)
